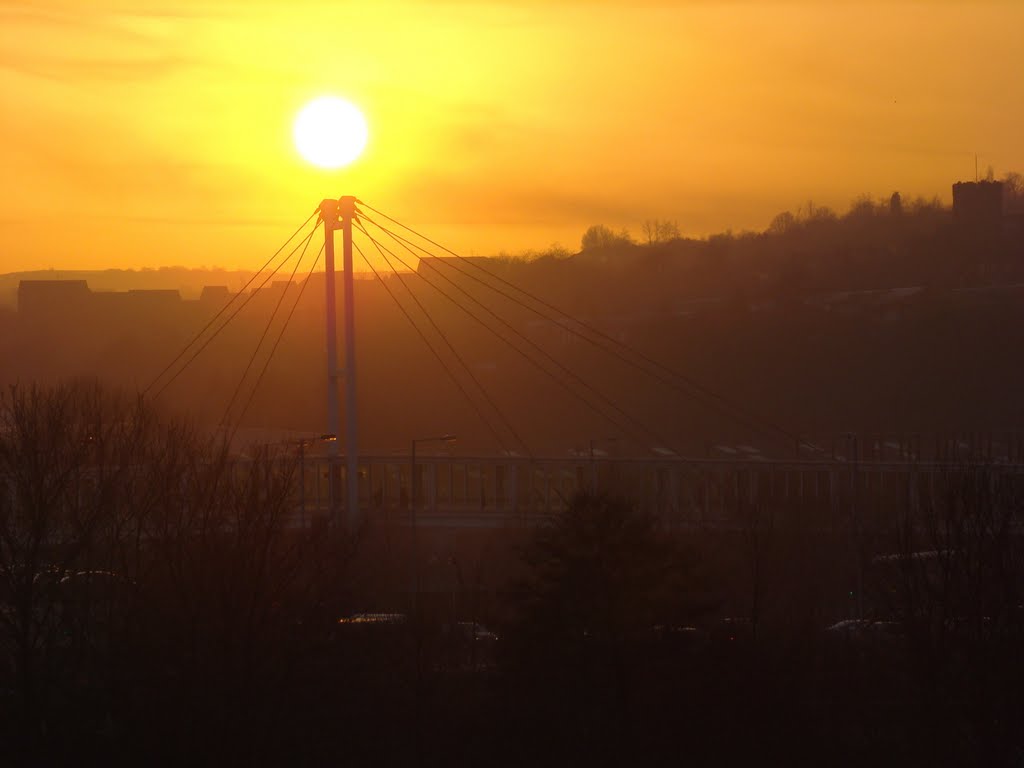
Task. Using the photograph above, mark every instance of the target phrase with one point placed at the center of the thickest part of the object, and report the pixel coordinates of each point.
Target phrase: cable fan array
(414, 266)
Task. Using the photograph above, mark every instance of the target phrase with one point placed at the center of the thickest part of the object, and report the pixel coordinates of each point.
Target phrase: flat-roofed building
(978, 204)
(42, 298)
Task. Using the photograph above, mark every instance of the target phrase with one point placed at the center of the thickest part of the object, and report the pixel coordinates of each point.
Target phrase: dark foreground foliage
(156, 608)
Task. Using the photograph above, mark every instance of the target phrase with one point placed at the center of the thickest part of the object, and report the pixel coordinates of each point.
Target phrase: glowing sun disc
(330, 132)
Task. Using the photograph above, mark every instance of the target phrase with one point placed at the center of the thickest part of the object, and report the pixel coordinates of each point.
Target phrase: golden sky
(141, 133)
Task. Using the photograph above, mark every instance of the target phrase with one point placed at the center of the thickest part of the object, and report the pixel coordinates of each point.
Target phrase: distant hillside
(188, 281)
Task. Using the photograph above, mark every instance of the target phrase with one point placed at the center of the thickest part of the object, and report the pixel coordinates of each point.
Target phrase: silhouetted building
(38, 298)
(154, 296)
(74, 301)
(215, 294)
(978, 204)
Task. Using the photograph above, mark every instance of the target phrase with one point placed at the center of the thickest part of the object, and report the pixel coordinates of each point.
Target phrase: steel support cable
(611, 420)
(224, 325)
(639, 428)
(644, 438)
(407, 243)
(447, 369)
(688, 463)
(229, 302)
(277, 341)
(734, 411)
(266, 330)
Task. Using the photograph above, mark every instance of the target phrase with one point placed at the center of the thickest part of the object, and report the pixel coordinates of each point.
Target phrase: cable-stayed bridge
(513, 485)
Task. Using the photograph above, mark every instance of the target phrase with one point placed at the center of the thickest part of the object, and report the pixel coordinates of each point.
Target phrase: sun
(330, 132)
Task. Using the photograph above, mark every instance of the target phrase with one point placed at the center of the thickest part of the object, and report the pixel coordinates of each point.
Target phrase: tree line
(155, 603)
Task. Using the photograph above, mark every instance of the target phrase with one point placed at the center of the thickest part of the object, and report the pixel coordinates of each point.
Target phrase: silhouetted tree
(225, 588)
(862, 208)
(601, 576)
(818, 213)
(67, 458)
(659, 231)
(600, 568)
(956, 584)
(1013, 192)
(599, 237)
(782, 223)
(147, 574)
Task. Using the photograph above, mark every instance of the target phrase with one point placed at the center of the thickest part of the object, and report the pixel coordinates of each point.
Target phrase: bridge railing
(680, 491)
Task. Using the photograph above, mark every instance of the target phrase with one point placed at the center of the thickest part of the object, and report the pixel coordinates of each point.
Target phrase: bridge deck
(500, 492)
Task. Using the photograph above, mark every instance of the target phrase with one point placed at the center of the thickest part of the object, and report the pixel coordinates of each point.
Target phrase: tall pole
(302, 483)
(415, 586)
(347, 206)
(329, 215)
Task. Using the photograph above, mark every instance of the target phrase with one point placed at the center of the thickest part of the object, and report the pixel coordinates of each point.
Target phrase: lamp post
(854, 456)
(412, 512)
(303, 443)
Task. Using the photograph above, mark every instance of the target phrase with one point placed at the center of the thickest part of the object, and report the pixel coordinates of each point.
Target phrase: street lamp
(303, 443)
(412, 510)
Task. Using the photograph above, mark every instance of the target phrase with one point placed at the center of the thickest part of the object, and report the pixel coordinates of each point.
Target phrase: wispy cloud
(120, 68)
(61, 42)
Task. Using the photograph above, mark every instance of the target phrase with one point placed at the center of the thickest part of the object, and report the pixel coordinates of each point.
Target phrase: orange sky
(140, 133)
